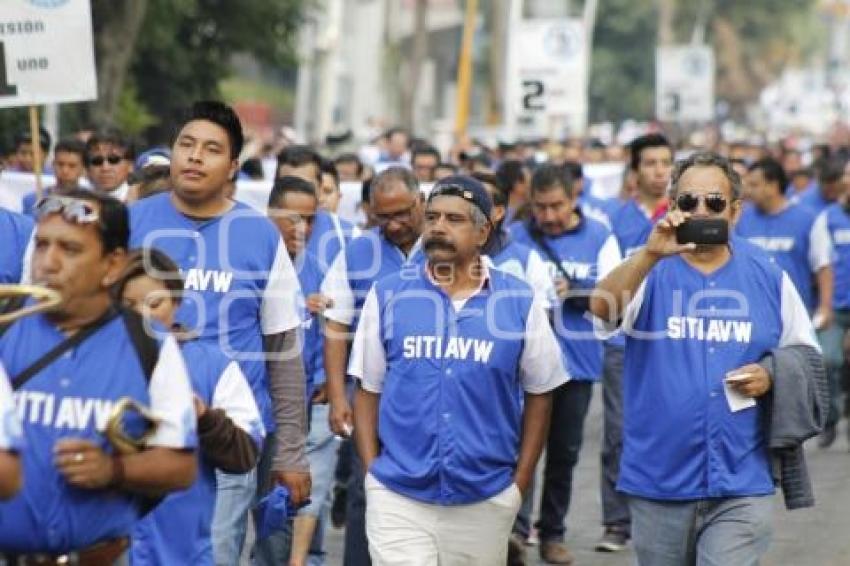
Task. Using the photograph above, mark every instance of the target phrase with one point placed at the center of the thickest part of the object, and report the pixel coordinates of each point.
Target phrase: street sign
(46, 52)
(684, 83)
(547, 73)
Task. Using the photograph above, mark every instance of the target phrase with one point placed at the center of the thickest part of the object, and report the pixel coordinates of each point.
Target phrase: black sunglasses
(112, 159)
(715, 202)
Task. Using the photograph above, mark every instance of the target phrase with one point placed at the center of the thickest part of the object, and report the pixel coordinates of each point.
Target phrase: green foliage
(185, 48)
(771, 34)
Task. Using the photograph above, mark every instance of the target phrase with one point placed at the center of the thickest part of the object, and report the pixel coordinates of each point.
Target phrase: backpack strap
(147, 348)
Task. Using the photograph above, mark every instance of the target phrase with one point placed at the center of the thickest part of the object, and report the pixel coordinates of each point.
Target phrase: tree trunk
(666, 16)
(116, 28)
(419, 53)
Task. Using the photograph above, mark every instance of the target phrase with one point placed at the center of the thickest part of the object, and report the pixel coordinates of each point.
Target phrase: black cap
(465, 187)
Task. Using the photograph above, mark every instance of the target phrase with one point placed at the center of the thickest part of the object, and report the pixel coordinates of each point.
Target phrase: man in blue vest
(578, 251)
(11, 441)
(81, 495)
(397, 210)
(241, 293)
(293, 206)
(700, 320)
(456, 363)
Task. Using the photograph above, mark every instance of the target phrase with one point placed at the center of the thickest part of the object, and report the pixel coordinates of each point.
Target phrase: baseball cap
(465, 187)
(155, 156)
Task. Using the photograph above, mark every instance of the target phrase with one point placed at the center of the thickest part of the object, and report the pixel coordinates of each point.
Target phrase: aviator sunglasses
(99, 160)
(688, 202)
(73, 210)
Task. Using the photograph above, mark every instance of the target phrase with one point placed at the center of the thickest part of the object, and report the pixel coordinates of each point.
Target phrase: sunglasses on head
(688, 202)
(112, 159)
(73, 210)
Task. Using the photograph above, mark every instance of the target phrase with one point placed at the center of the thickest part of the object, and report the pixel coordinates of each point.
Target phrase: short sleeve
(820, 245)
(11, 434)
(537, 275)
(542, 366)
(368, 361)
(281, 295)
(171, 400)
(337, 287)
(797, 329)
(233, 395)
(608, 258)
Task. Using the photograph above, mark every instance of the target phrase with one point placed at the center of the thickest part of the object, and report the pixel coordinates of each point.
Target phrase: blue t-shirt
(579, 251)
(73, 397)
(17, 231)
(685, 331)
(631, 226)
(838, 226)
(786, 237)
(239, 280)
(178, 530)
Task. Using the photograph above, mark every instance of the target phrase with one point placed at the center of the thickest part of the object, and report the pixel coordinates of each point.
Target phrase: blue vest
(223, 299)
(325, 242)
(372, 257)
(680, 439)
(72, 397)
(178, 530)
(838, 225)
(578, 250)
(310, 275)
(785, 238)
(512, 257)
(17, 231)
(450, 411)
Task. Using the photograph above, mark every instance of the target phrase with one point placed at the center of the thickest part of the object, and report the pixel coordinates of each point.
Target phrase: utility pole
(464, 69)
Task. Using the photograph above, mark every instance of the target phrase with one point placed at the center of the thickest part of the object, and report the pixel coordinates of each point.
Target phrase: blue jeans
(832, 343)
(707, 532)
(615, 505)
(570, 403)
(235, 494)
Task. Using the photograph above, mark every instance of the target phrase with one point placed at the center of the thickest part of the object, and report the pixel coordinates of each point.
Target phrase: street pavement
(819, 536)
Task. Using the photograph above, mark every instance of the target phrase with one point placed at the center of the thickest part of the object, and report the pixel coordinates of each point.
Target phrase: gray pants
(615, 505)
(707, 532)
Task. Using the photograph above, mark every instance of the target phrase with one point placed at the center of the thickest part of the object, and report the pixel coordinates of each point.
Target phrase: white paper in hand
(737, 402)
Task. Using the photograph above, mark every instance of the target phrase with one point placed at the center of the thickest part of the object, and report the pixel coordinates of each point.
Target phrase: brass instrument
(10, 295)
(122, 440)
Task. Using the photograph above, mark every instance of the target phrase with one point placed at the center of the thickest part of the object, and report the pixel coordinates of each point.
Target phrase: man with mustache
(579, 250)
(455, 362)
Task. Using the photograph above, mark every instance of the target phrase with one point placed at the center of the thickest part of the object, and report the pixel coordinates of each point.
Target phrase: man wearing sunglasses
(703, 324)
(455, 364)
(396, 208)
(109, 161)
(69, 367)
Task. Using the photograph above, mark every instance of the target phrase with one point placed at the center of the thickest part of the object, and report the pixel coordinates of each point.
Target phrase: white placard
(684, 83)
(46, 52)
(547, 72)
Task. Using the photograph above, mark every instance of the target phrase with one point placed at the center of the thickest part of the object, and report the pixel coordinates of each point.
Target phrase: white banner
(547, 75)
(684, 83)
(46, 52)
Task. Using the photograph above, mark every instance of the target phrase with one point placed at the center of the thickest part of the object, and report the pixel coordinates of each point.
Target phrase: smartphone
(703, 231)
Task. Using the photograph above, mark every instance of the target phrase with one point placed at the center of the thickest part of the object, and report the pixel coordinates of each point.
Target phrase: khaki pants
(403, 531)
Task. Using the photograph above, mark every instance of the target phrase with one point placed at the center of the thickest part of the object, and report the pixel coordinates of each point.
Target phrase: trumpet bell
(129, 426)
(13, 301)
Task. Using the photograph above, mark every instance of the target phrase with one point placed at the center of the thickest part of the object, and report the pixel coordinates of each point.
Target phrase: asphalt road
(811, 537)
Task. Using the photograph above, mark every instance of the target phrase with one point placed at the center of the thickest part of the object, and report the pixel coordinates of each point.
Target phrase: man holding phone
(701, 316)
